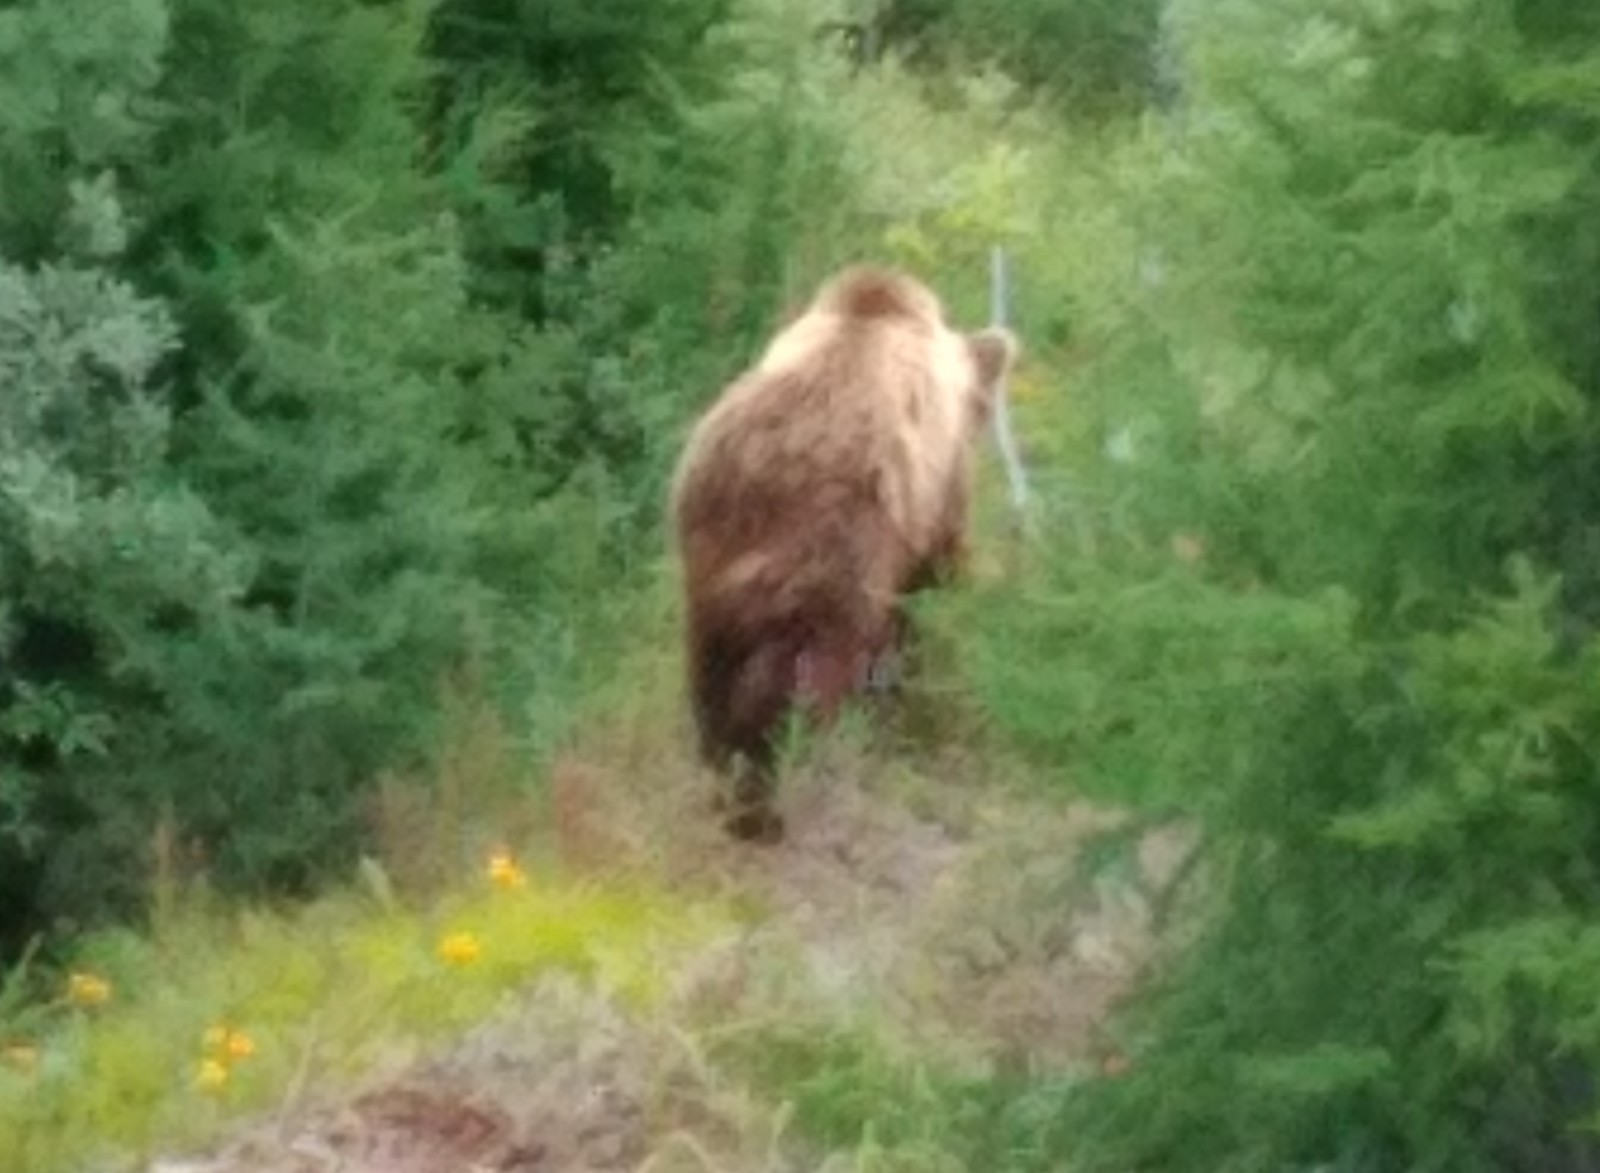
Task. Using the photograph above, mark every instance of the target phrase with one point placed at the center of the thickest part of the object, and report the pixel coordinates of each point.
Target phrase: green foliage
(344, 419)
(1335, 589)
(1096, 56)
(183, 576)
(593, 154)
(646, 183)
(596, 77)
(851, 1092)
(1157, 678)
(98, 545)
(265, 475)
(77, 82)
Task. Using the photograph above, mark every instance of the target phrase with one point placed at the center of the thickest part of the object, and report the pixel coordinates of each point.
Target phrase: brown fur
(824, 484)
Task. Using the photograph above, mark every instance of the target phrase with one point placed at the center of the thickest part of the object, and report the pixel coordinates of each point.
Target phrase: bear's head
(973, 363)
(991, 352)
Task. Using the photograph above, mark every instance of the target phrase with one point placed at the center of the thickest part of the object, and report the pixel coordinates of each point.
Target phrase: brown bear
(824, 484)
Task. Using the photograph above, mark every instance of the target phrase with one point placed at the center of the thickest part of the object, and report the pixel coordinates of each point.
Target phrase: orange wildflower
(229, 1045)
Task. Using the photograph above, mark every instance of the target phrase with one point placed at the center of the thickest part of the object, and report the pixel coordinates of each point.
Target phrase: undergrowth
(850, 1091)
(158, 1040)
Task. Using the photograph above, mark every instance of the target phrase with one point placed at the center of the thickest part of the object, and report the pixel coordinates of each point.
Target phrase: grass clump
(849, 1090)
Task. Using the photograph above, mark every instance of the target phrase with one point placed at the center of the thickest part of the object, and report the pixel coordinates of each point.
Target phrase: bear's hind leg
(759, 697)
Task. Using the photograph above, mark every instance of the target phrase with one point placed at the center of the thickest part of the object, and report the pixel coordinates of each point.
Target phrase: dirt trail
(936, 905)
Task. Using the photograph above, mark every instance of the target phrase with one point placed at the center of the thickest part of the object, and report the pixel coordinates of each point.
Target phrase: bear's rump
(798, 619)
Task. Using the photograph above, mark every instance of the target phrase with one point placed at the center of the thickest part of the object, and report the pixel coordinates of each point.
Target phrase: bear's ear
(994, 352)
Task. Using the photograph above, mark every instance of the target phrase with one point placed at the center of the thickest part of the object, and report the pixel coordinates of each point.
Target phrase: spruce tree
(1364, 373)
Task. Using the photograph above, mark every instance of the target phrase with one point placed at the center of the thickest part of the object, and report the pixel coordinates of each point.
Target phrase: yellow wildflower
(504, 872)
(212, 1076)
(459, 949)
(85, 989)
(24, 1057)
